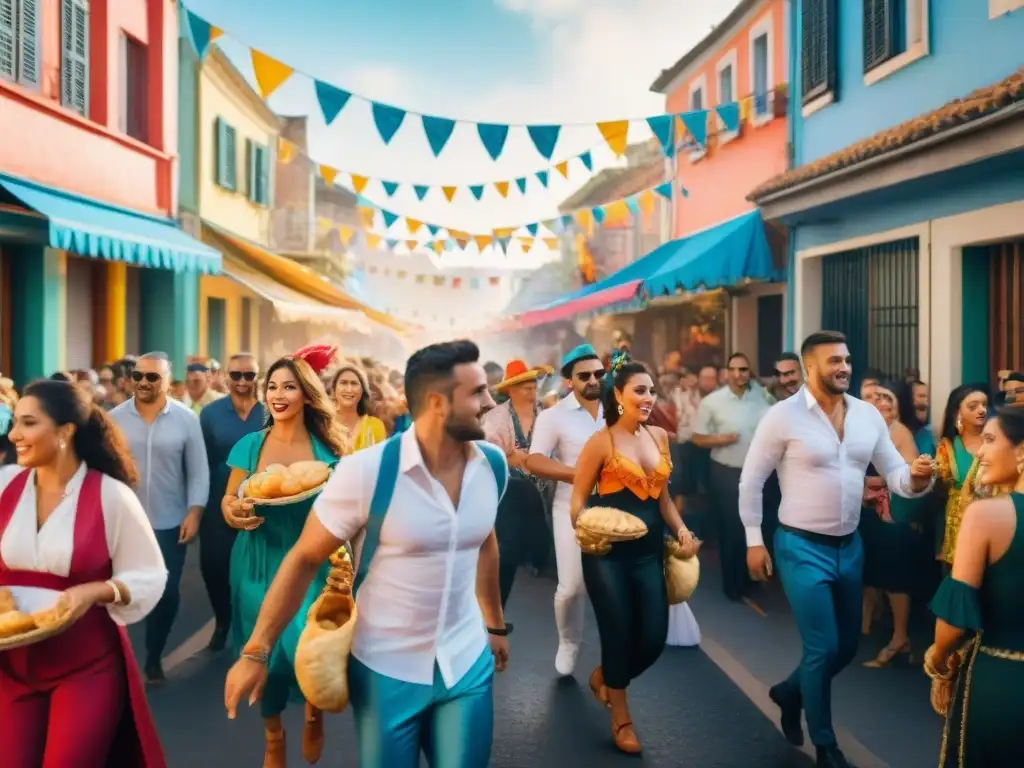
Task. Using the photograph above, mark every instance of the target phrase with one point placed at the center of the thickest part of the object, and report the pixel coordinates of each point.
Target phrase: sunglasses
(239, 375)
(584, 376)
(152, 378)
(740, 370)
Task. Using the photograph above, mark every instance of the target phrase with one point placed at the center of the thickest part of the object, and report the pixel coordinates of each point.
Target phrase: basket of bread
(278, 484)
(29, 616)
(597, 528)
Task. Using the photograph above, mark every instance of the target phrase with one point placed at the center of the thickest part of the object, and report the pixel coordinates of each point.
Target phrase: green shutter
(264, 178)
(220, 163)
(230, 158)
(879, 32)
(74, 71)
(252, 176)
(28, 43)
(8, 40)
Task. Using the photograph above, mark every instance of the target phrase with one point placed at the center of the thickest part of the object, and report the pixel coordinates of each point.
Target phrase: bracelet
(935, 674)
(502, 632)
(118, 599)
(258, 655)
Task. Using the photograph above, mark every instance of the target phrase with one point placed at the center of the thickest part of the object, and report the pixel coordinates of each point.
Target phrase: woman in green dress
(301, 427)
(979, 601)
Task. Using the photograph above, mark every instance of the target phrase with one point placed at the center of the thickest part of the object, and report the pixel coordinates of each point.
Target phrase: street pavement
(706, 708)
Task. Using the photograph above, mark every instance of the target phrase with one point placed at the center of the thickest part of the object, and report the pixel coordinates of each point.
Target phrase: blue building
(906, 195)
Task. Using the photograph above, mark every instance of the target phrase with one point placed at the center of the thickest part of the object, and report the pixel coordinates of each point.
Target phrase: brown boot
(275, 755)
(625, 738)
(313, 735)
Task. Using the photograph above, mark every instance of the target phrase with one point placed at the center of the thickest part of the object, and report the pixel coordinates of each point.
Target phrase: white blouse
(136, 558)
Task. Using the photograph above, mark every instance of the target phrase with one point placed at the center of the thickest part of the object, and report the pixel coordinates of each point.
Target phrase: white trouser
(570, 596)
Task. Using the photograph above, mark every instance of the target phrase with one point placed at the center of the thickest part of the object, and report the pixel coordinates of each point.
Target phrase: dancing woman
(630, 466)
(352, 400)
(302, 427)
(70, 522)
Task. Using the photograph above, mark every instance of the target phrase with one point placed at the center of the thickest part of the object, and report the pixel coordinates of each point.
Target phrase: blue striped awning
(102, 231)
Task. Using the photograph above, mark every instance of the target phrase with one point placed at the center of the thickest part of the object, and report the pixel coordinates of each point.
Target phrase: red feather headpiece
(317, 356)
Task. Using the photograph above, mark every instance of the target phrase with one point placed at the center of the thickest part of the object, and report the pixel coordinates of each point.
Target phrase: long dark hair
(97, 441)
(363, 405)
(908, 411)
(621, 374)
(956, 398)
(1011, 422)
(318, 412)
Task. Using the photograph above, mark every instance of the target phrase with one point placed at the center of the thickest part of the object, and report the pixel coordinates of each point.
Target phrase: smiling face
(998, 458)
(285, 398)
(973, 411)
(637, 397)
(470, 399)
(35, 436)
(348, 390)
(829, 368)
(885, 403)
(242, 373)
(151, 379)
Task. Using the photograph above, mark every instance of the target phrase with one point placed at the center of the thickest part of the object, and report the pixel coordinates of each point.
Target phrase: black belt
(819, 538)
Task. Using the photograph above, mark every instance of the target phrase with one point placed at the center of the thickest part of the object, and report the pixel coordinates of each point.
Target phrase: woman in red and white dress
(70, 522)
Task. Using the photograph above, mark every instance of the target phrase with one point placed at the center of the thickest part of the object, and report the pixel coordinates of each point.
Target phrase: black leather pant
(631, 607)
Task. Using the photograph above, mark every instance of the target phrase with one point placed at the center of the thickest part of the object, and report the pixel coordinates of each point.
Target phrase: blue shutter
(252, 172)
(28, 43)
(8, 39)
(761, 75)
(264, 177)
(817, 48)
(230, 158)
(74, 70)
(220, 163)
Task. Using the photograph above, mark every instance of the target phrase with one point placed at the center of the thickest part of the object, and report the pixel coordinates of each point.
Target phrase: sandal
(887, 655)
(625, 738)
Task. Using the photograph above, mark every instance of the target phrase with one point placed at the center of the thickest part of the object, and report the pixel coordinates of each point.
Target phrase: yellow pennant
(215, 32)
(372, 240)
(616, 212)
(286, 151)
(366, 215)
(346, 233)
(502, 187)
(745, 105)
(503, 232)
(616, 133)
(646, 202)
(563, 168)
(420, 279)
(449, 192)
(438, 246)
(328, 174)
(323, 224)
(462, 241)
(551, 242)
(585, 219)
(270, 73)
(359, 183)
(458, 234)
(413, 225)
(411, 245)
(482, 241)
(526, 243)
(400, 274)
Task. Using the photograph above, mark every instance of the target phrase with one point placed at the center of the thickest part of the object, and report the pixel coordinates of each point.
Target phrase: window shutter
(879, 32)
(7, 39)
(264, 178)
(74, 37)
(230, 159)
(250, 171)
(28, 43)
(817, 49)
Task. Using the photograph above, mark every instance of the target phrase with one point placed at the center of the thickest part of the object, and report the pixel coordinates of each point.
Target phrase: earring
(63, 445)
(620, 409)
(959, 424)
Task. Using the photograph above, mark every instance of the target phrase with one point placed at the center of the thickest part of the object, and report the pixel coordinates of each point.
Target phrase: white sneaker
(565, 659)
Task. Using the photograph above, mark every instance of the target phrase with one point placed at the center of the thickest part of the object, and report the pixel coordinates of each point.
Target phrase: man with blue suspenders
(420, 509)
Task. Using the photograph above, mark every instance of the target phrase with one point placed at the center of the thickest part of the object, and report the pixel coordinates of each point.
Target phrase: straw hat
(516, 372)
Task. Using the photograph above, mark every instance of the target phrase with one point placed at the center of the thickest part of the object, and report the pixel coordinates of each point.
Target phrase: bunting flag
(270, 73)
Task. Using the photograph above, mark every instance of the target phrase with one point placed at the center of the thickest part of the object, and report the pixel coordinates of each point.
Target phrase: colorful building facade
(93, 266)
(906, 205)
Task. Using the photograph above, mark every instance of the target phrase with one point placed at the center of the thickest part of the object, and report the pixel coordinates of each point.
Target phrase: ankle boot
(313, 735)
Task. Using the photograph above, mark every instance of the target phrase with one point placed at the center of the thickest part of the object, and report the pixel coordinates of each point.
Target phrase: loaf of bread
(280, 482)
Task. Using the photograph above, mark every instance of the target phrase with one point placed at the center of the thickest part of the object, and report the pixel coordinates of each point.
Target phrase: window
(895, 34)
(74, 63)
(725, 94)
(258, 167)
(725, 75)
(19, 41)
(817, 48)
(226, 153)
(697, 100)
(134, 89)
(760, 64)
(761, 49)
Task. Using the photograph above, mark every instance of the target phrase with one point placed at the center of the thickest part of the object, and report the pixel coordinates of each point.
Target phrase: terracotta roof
(982, 102)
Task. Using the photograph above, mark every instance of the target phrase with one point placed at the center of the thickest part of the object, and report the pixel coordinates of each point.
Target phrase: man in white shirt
(430, 631)
(558, 437)
(820, 441)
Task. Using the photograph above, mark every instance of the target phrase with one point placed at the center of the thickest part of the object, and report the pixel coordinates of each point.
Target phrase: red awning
(564, 311)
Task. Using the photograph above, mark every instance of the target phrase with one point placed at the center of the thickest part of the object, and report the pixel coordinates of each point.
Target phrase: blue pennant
(420, 190)
(477, 190)
(438, 130)
(391, 244)
(390, 187)
(432, 229)
(697, 124)
(503, 244)
(730, 114)
(493, 138)
(587, 160)
(389, 218)
(199, 33)
(332, 100)
(665, 190)
(388, 120)
(633, 204)
(542, 177)
(532, 229)
(598, 214)
(685, 191)
(544, 138)
(566, 221)
(661, 127)
(521, 183)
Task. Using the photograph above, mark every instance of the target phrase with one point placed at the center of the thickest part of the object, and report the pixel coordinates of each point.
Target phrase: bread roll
(14, 623)
(271, 485)
(52, 617)
(611, 523)
(310, 474)
(276, 469)
(289, 486)
(7, 602)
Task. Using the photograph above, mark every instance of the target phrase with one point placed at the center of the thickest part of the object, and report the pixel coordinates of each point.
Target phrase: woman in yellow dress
(352, 400)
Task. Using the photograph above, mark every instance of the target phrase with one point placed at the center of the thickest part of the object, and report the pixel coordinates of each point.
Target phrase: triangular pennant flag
(462, 242)
(585, 220)
(477, 190)
(503, 244)
(616, 134)
(544, 138)
(420, 190)
(504, 232)
(345, 233)
(697, 125)
(551, 242)
(390, 187)
(413, 225)
(438, 130)
(587, 160)
(372, 240)
(482, 241)
(633, 204)
(438, 246)
(542, 177)
(328, 174)
(286, 151)
(745, 106)
(526, 243)
(665, 190)
(270, 73)
(389, 218)
(449, 193)
(598, 213)
(201, 32)
(367, 215)
(401, 274)
(685, 191)
(432, 229)
(411, 245)
(492, 137)
(563, 168)
(616, 212)
(359, 183)
(502, 187)
(730, 115)
(388, 120)
(566, 221)
(646, 201)
(392, 244)
(532, 229)
(332, 100)
(661, 127)
(521, 183)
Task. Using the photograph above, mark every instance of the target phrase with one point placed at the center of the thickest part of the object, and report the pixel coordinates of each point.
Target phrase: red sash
(39, 668)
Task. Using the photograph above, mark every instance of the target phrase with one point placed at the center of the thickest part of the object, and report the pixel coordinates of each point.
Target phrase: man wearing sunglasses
(174, 483)
(558, 437)
(224, 423)
(200, 393)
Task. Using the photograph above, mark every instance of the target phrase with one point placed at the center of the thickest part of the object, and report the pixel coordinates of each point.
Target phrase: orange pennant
(482, 241)
(215, 32)
(503, 232)
(411, 245)
(413, 225)
(438, 246)
(270, 73)
(462, 241)
(449, 192)
(616, 213)
(551, 242)
(328, 174)
(585, 219)
(367, 215)
(526, 243)
(286, 151)
(346, 233)
(359, 183)
(372, 240)
(646, 202)
(502, 187)
(616, 133)
(563, 168)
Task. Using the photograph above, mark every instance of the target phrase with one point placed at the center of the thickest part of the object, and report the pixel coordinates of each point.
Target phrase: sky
(501, 61)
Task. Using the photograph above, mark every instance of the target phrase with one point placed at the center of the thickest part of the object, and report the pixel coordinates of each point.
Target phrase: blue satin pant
(396, 720)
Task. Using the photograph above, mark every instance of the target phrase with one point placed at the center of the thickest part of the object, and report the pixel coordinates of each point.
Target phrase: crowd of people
(450, 476)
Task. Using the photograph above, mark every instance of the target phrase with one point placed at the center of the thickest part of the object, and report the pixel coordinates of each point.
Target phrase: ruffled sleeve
(246, 452)
(957, 604)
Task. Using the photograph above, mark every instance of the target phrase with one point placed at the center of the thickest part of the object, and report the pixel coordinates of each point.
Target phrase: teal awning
(102, 231)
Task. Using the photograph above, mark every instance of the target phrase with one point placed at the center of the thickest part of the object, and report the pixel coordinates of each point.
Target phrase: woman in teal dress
(301, 427)
(980, 601)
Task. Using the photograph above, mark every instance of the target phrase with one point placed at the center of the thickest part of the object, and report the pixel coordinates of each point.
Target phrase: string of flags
(438, 281)
(669, 129)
